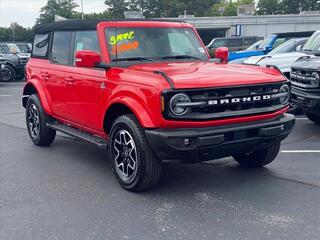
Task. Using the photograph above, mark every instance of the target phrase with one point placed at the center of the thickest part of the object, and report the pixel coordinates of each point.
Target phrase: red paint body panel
(75, 95)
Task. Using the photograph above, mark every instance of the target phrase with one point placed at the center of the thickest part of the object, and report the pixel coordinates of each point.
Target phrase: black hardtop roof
(237, 37)
(89, 24)
(295, 34)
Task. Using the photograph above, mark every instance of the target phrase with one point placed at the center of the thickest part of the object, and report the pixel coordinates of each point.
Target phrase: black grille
(301, 78)
(23, 61)
(230, 109)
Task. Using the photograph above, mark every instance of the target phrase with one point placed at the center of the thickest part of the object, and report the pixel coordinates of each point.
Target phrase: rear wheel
(36, 120)
(312, 117)
(134, 164)
(259, 158)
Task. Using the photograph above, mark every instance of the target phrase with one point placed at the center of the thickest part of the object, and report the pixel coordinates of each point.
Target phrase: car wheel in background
(8, 74)
(259, 158)
(312, 117)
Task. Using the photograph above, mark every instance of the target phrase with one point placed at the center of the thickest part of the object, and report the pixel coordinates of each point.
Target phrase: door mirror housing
(87, 58)
(222, 53)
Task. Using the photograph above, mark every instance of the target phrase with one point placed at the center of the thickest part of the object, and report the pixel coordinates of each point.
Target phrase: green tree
(294, 7)
(269, 7)
(116, 8)
(64, 8)
(230, 8)
(21, 34)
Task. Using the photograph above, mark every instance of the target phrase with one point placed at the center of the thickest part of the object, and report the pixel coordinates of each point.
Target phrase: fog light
(187, 141)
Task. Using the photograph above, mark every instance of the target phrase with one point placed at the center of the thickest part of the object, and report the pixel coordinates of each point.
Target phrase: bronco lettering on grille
(239, 100)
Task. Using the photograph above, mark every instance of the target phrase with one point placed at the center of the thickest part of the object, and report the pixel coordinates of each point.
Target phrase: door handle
(70, 81)
(45, 75)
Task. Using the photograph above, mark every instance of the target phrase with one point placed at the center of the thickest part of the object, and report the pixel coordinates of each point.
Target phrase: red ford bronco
(147, 91)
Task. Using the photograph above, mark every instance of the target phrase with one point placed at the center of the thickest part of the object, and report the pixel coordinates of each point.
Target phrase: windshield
(313, 44)
(24, 48)
(266, 42)
(9, 48)
(286, 47)
(153, 44)
(255, 46)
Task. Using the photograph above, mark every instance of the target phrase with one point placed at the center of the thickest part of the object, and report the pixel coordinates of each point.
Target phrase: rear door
(59, 90)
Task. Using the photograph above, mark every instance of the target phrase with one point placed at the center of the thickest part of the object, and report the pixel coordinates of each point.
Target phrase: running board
(74, 132)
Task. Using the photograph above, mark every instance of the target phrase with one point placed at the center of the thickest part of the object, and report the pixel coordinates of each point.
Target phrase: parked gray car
(15, 61)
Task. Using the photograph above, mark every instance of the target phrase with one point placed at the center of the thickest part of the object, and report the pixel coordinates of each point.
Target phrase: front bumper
(308, 99)
(200, 144)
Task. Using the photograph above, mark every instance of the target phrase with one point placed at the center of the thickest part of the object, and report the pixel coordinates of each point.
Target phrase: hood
(312, 63)
(283, 61)
(206, 74)
(23, 55)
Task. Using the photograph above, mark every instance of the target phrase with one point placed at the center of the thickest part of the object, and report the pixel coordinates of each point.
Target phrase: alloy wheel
(33, 121)
(6, 74)
(125, 156)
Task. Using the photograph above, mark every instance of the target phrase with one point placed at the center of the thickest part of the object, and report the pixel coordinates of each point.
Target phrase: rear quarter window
(40, 45)
(61, 47)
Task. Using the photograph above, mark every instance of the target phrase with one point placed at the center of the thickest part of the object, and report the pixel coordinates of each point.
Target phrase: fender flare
(136, 108)
(41, 91)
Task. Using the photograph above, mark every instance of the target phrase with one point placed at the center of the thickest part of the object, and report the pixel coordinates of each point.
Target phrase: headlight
(177, 102)
(315, 79)
(285, 94)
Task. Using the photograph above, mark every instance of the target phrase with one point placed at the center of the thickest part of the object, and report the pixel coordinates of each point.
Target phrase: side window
(86, 40)
(234, 42)
(60, 47)
(249, 41)
(278, 42)
(40, 45)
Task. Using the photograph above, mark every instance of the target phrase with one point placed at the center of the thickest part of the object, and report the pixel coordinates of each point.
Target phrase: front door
(88, 87)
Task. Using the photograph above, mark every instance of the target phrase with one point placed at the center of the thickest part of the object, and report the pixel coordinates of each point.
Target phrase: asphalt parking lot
(67, 191)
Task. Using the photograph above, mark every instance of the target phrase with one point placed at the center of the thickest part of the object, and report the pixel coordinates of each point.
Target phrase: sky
(25, 12)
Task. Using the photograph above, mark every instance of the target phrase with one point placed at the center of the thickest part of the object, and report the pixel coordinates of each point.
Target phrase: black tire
(39, 133)
(129, 149)
(312, 117)
(259, 158)
(8, 74)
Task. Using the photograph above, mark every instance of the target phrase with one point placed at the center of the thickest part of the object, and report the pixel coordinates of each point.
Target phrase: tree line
(157, 9)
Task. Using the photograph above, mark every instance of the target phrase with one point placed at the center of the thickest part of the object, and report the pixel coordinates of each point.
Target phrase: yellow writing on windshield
(121, 37)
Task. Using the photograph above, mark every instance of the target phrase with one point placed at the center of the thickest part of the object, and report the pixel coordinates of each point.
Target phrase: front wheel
(312, 117)
(134, 164)
(259, 158)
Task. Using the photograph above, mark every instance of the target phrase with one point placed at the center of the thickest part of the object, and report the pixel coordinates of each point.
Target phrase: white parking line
(300, 151)
(301, 118)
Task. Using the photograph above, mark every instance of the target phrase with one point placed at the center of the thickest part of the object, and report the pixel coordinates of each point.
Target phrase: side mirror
(87, 58)
(222, 53)
(299, 48)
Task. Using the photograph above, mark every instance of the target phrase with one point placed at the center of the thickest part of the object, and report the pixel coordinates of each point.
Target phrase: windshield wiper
(132, 59)
(180, 57)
